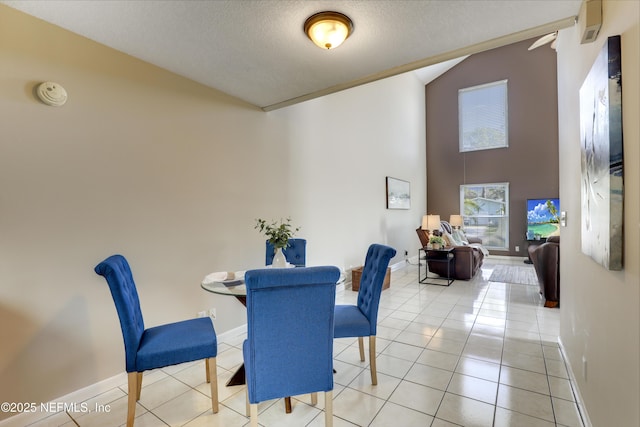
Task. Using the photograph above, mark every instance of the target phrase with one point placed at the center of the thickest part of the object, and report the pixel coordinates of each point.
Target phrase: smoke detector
(52, 94)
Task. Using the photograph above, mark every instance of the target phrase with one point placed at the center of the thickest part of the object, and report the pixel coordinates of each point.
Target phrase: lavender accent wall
(529, 164)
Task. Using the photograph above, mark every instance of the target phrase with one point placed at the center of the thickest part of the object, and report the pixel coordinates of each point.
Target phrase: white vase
(279, 261)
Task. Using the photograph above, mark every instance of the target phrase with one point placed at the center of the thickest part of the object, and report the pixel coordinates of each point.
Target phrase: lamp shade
(455, 220)
(433, 222)
(328, 29)
(425, 222)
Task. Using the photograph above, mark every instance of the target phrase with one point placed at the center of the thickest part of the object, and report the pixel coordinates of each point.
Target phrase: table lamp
(433, 223)
(455, 221)
(425, 223)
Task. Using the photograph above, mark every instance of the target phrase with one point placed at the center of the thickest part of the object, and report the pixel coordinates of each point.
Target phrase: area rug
(514, 274)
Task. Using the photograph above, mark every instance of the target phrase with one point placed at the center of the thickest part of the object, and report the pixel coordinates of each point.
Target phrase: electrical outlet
(212, 313)
(406, 252)
(517, 248)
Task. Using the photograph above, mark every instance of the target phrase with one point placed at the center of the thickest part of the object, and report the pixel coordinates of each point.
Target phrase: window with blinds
(482, 116)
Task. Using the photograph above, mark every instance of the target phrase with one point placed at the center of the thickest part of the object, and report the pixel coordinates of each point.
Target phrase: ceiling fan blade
(543, 40)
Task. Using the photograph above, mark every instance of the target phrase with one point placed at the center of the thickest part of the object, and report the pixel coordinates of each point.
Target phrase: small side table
(444, 255)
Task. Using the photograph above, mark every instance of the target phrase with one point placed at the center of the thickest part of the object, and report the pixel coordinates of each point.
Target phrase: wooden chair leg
(247, 408)
(212, 377)
(361, 345)
(253, 410)
(139, 386)
(314, 399)
(132, 378)
(372, 359)
(328, 408)
(287, 405)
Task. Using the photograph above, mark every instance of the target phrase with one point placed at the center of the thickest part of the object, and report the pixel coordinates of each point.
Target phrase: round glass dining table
(235, 288)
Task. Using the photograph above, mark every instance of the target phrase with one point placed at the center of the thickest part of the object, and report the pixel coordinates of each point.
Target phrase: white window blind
(482, 116)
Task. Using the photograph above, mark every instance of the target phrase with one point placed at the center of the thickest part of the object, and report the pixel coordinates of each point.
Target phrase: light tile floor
(477, 353)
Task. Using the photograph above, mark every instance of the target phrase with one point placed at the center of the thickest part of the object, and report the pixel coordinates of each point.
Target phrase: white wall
(600, 309)
(344, 145)
(172, 175)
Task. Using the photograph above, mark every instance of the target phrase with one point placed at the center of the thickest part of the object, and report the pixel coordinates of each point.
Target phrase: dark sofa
(468, 259)
(546, 260)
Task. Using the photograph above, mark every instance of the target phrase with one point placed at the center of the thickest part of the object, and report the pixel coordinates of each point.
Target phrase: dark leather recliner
(546, 261)
(468, 259)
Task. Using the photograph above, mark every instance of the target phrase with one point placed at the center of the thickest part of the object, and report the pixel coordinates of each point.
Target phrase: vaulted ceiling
(256, 50)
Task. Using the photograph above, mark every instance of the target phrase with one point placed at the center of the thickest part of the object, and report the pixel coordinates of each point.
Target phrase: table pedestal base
(237, 378)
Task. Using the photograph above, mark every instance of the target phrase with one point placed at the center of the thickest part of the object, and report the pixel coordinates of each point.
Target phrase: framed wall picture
(398, 194)
(602, 162)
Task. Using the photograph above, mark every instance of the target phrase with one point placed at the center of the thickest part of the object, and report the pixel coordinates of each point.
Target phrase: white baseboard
(398, 265)
(232, 334)
(574, 386)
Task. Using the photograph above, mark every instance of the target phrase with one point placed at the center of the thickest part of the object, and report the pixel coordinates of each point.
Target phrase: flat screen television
(543, 218)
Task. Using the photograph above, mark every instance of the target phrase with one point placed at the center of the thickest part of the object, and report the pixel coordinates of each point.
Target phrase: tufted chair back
(295, 252)
(289, 346)
(117, 272)
(375, 268)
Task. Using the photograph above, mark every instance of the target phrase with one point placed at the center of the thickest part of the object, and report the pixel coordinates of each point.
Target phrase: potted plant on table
(278, 234)
(437, 242)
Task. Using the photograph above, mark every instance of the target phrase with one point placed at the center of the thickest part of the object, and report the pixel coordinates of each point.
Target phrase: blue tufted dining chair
(361, 320)
(295, 253)
(159, 346)
(289, 345)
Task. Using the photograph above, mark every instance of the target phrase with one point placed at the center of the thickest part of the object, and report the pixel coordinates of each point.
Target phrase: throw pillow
(461, 236)
(456, 238)
(448, 239)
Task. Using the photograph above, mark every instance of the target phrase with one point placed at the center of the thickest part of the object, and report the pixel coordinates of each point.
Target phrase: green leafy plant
(437, 240)
(278, 233)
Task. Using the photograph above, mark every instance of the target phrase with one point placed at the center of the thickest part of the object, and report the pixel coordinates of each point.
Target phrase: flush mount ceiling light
(328, 29)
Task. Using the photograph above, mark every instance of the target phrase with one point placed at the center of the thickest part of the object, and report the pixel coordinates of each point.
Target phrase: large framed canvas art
(602, 190)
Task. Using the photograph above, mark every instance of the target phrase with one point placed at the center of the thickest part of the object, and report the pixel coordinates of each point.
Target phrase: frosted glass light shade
(328, 29)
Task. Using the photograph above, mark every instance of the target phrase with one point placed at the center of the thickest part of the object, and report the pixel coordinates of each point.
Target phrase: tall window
(485, 210)
(482, 116)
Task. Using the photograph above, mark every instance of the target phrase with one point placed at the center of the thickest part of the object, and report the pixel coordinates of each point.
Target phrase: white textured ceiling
(257, 51)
